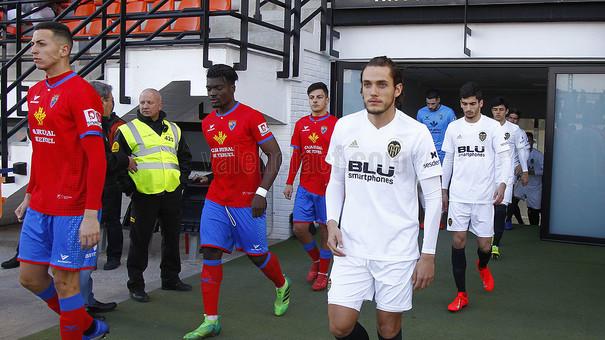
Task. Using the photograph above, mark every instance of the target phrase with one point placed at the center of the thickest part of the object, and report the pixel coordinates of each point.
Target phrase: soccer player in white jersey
(519, 148)
(377, 157)
(473, 146)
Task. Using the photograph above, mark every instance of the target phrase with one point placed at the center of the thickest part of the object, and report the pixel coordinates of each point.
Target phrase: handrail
(114, 47)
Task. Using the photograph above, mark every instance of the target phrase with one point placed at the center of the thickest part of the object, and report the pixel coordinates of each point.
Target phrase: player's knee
(340, 329)
(388, 330)
(458, 242)
(67, 285)
(30, 282)
(258, 260)
(301, 228)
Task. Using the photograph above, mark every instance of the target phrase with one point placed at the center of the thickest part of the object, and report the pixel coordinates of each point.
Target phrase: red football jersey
(311, 138)
(61, 111)
(234, 138)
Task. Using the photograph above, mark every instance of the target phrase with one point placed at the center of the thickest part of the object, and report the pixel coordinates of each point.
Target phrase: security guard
(161, 163)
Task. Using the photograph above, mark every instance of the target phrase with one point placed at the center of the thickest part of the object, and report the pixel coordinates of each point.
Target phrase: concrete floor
(21, 313)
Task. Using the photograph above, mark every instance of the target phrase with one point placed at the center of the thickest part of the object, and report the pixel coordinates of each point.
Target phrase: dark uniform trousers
(110, 218)
(166, 208)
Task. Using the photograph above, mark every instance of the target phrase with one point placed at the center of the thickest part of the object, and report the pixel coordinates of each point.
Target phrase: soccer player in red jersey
(310, 142)
(234, 210)
(61, 206)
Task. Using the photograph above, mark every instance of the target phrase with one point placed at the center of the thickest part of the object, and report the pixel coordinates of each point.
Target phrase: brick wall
(314, 67)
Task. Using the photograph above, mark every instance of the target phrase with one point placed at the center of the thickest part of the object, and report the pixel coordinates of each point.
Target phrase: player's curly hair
(222, 71)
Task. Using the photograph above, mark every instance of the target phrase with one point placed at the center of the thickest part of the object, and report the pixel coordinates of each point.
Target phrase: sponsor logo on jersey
(433, 124)
(220, 137)
(506, 136)
(305, 128)
(93, 118)
(40, 115)
(313, 137)
(54, 100)
(459, 137)
(469, 149)
(482, 136)
(210, 128)
(232, 124)
(263, 128)
(115, 147)
(35, 100)
(354, 144)
(364, 171)
(169, 138)
(434, 161)
(324, 129)
(393, 148)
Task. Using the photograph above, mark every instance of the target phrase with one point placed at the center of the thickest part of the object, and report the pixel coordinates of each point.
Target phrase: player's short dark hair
(471, 89)
(317, 86)
(432, 94)
(384, 61)
(59, 30)
(222, 71)
(497, 101)
(514, 110)
(530, 134)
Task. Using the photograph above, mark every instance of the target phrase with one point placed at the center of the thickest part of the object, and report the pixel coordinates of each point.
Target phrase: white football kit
(519, 148)
(472, 152)
(374, 181)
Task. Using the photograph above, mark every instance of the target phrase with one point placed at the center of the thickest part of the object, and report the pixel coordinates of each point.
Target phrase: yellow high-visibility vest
(156, 156)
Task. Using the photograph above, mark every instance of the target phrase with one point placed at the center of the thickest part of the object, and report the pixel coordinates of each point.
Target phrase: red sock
(212, 275)
(272, 270)
(53, 303)
(324, 261)
(49, 295)
(74, 320)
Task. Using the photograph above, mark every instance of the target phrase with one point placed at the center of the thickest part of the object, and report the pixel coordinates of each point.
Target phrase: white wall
(501, 40)
(146, 68)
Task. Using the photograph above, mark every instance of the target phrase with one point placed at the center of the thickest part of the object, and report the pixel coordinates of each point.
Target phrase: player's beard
(376, 111)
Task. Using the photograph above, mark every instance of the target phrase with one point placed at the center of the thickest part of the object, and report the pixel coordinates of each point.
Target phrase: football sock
(211, 277)
(49, 295)
(484, 257)
(311, 249)
(499, 219)
(74, 320)
(272, 270)
(358, 333)
(459, 268)
(325, 256)
(399, 336)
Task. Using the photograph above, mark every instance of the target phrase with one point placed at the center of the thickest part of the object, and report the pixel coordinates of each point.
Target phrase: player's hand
(22, 208)
(518, 170)
(132, 164)
(524, 178)
(259, 204)
(199, 178)
(444, 200)
(499, 194)
(335, 238)
(288, 191)
(89, 229)
(424, 273)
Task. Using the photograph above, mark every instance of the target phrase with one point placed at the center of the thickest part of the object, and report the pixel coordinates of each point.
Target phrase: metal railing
(114, 45)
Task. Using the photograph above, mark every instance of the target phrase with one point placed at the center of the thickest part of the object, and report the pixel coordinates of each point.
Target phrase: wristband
(262, 192)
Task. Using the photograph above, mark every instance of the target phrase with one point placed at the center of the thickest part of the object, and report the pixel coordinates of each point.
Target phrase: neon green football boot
(207, 329)
(495, 252)
(282, 298)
